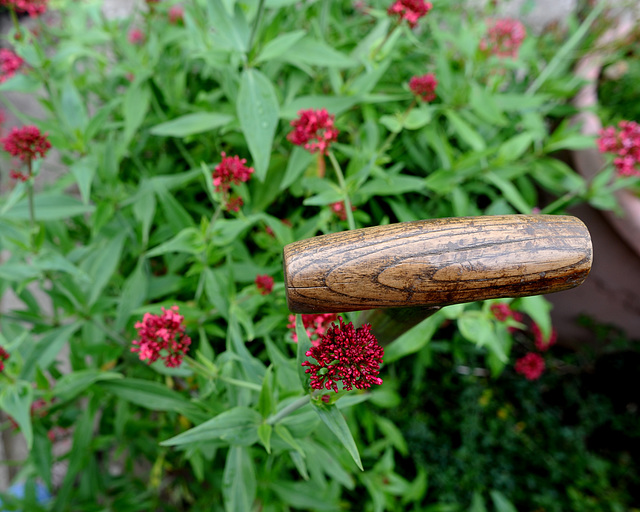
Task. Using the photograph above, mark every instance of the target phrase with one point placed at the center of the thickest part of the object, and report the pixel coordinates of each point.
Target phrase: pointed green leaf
(239, 480)
(191, 124)
(278, 46)
(264, 434)
(258, 112)
(332, 418)
(15, 400)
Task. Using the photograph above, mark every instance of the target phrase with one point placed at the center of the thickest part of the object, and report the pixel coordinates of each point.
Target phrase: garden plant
(152, 340)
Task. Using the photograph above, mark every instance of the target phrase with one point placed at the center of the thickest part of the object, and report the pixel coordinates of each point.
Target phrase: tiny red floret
(410, 10)
(264, 283)
(541, 344)
(424, 86)
(31, 7)
(504, 37)
(624, 144)
(136, 36)
(4, 356)
(531, 366)
(501, 311)
(315, 325)
(313, 130)
(162, 337)
(176, 15)
(10, 63)
(347, 355)
(26, 143)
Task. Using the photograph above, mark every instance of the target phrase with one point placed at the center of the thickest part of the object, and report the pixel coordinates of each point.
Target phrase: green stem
(256, 24)
(392, 136)
(240, 383)
(210, 374)
(293, 406)
(347, 202)
(14, 19)
(32, 210)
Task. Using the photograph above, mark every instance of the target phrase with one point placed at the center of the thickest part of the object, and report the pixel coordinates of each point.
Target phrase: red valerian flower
(231, 169)
(504, 37)
(136, 36)
(315, 325)
(26, 143)
(541, 344)
(410, 10)
(501, 311)
(531, 366)
(313, 130)
(624, 144)
(176, 15)
(9, 64)
(345, 354)
(264, 283)
(339, 209)
(424, 86)
(162, 337)
(4, 356)
(31, 7)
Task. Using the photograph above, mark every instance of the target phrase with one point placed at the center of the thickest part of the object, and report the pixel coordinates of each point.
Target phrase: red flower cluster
(136, 36)
(315, 325)
(339, 209)
(26, 143)
(504, 37)
(4, 356)
(313, 130)
(541, 344)
(410, 10)
(264, 283)
(424, 86)
(625, 144)
(501, 311)
(9, 64)
(31, 7)
(162, 337)
(176, 15)
(345, 354)
(231, 170)
(531, 366)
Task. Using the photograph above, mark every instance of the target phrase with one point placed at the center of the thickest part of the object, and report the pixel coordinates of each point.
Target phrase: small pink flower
(315, 325)
(313, 130)
(231, 169)
(347, 355)
(531, 366)
(31, 7)
(410, 10)
(424, 86)
(26, 143)
(17, 175)
(4, 356)
(339, 209)
(624, 144)
(501, 311)
(136, 36)
(541, 344)
(264, 283)
(504, 37)
(9, 64)
(162, 337)
(176, 15)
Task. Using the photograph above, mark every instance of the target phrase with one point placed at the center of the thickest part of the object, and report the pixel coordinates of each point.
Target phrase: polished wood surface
(436, 262)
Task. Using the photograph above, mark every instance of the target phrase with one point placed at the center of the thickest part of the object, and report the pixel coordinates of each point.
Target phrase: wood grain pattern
(436, 262)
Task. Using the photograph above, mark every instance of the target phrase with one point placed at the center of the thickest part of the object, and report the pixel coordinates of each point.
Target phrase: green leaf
(135, 106)
(215, 286)
(465, 131)
(485, 105)
(257, 107)
(151, 395)
(189, 240)
(134, 293)
(84, 169)
(237, 426)
(512, 149)
(418, 117)
(288, 438)
(190, 124)
(479, 330)
(230, 31)
(71, 385)
(510, 192)
(239, 480)
(393, 123)
(266, 400)
(333, 419)
(334, 104)
(501, 502)
(304, 345)
(72, 106)
(413, 340)
(571, 141)
(313, 52)
(477, 503)
(298, 162)
(49, 207)
(539, 309)
(264, 434)
(15, 400)
(278, 46)
(45, 351)
(395, 184)
(101, 263)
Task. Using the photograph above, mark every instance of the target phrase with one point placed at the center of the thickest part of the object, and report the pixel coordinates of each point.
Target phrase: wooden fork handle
(436, 262)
